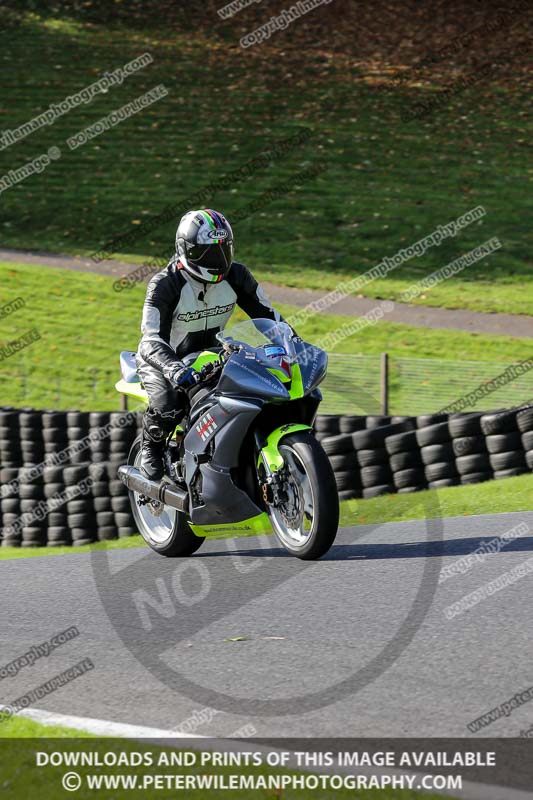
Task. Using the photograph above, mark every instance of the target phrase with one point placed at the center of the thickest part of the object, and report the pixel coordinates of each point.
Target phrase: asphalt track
(354, 645)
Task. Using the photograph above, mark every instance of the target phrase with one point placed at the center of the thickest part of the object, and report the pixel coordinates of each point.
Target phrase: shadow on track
(347, 552)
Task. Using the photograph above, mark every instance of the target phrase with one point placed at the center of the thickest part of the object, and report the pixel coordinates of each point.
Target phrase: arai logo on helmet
(219, 233)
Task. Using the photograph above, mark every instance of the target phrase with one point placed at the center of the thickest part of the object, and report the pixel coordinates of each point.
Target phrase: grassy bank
(493, 497)
(387, 182)
(83, 324)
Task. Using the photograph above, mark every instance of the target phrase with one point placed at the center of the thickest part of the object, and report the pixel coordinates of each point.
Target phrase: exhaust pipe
(164, 492)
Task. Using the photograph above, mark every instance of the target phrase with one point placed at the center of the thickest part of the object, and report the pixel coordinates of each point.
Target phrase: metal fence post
(384, 389)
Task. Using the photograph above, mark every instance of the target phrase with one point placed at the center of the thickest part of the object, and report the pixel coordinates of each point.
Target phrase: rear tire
(178, 540)
(303, 448)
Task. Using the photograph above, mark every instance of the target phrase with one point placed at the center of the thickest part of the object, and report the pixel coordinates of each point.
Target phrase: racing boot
(152, 449)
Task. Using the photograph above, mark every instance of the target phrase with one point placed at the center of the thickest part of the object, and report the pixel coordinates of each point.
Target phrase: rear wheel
(162, 527)
(306, 522)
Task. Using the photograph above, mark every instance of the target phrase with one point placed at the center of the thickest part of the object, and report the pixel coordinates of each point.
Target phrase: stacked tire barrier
(374, 455)
(58, 469)
(58, 476)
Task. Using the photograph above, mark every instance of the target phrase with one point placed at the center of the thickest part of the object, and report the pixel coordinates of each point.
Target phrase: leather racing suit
(182, 315)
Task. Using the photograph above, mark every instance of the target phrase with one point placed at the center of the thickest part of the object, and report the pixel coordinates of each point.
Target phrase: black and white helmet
(204, 244)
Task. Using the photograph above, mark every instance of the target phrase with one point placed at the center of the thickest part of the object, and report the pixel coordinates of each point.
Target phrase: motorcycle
(244, 460)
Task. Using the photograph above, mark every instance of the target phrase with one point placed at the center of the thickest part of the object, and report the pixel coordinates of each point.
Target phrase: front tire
(167, 533)
(307, 524)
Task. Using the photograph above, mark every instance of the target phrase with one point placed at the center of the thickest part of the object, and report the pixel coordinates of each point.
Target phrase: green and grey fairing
(221, 419)
(269, 380)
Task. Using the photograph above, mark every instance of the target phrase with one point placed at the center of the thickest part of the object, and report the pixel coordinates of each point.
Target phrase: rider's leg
(166, 409)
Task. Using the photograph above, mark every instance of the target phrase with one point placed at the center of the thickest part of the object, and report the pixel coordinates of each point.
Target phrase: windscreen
(274, 337)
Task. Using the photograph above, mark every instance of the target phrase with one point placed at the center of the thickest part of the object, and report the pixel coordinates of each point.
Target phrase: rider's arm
(162, 296)
(250, 296)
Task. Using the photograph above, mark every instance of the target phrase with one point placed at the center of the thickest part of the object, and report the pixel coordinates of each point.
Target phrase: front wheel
(307, 519)
(165, 529)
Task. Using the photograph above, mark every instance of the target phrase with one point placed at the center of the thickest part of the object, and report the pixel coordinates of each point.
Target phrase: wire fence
(421, 385)
(354, 384)
(427, 385)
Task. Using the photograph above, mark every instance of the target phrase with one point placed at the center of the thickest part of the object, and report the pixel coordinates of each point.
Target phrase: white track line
(100, 727)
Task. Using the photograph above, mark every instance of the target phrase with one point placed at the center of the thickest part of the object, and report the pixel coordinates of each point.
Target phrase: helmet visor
(215, 258)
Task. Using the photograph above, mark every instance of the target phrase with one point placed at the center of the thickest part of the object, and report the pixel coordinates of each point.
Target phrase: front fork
(271, 469)
(273, 488)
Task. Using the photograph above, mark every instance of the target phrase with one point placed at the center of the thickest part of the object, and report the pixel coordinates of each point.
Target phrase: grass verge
(492, 497)
(83, 324)
(8, 553)
(20, 778)
(21, 728)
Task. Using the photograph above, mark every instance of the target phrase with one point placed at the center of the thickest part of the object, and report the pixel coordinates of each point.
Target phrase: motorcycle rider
(186, 305)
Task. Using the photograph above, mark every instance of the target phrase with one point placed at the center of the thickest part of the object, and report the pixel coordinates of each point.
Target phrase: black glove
(184, 378)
